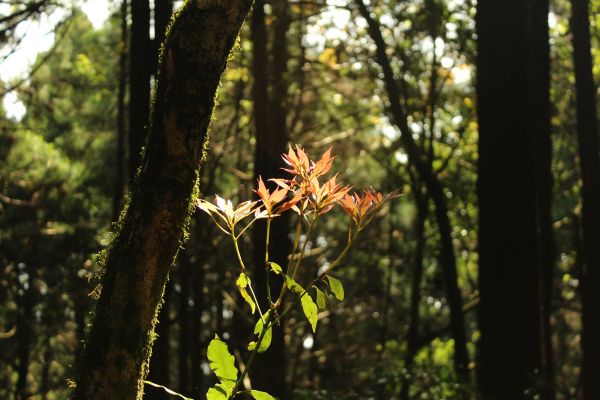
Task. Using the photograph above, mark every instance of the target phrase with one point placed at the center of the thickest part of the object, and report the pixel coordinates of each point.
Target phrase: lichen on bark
(153, 226)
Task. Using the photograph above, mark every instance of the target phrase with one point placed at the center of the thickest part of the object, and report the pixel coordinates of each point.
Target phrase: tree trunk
(436, 191)
(422, 203)
(140, 68)
(160, 360)
(542, 129)
(137, 263)
(25, 333)
(587, 136)
(516, 249)
(183, 342)
(268, 372)
(120, 173)
(197, 347)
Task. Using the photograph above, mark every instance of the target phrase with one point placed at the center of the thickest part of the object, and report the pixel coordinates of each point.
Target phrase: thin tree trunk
(184, 330)
(120, 173)
(140, 68)
(45, 378)
(587, 136)
(196, 345)
(543, 176)
(25, 334)
(422, 201)
(137, 263)
(268, 372)
(436, 191)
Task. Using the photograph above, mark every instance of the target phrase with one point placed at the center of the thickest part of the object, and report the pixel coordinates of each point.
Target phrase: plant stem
(296, 241)
(268, 270)
(241, 261)
(237, 251)
(310, 227)
(266, 326)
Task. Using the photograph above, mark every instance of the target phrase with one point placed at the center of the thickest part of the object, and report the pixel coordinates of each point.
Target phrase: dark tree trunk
(184, 330)
(268, 372)
(422, 202)
(160, 360)
(140, 68)
(196, 345)
(587, 136)
(542, 129)
(516, 249)
(435, 190)
(121, 132)
(137, 263)
(45, 374)
(25, 334)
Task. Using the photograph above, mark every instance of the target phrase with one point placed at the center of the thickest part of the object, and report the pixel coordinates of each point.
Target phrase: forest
(299, 199)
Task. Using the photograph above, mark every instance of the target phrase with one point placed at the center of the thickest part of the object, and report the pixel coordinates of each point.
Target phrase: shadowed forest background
(480, 281)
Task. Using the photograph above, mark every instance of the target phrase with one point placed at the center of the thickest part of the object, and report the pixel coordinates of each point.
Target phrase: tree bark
(516, 248)
(589, 161)
(163, 9)
(435, 190)
(160, 360)
(137, 263)
(270, 114)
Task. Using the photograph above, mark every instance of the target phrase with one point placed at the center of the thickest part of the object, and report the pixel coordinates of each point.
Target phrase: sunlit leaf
(218, 392)
(275, 267)
(293, 285)
(242, 282)
(336, 287)
(258, 395)
(221, 361)
(321, 299)
(258, 329)
(310, 310)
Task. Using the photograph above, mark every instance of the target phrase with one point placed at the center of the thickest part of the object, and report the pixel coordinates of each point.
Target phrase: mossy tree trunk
(160, 361)
(152, 229)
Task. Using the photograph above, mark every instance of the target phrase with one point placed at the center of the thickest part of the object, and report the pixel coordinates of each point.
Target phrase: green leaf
(266, 340)
(321, 299)
(242, 282)
(258, 395)
(221, 361)
(336, 287)
(310, 310)
(293, 285)
(276, 268)
(219, 392)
